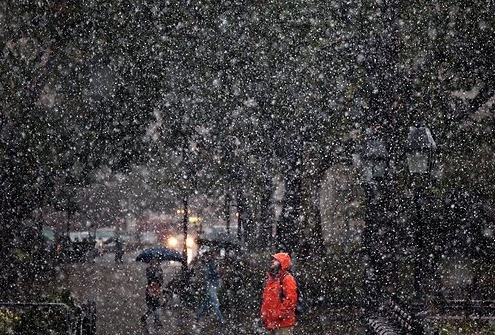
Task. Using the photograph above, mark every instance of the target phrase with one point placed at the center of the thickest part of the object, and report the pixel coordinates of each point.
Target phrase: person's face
(275, 266)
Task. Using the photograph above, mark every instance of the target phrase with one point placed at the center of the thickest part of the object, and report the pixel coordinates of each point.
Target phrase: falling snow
(358, 136)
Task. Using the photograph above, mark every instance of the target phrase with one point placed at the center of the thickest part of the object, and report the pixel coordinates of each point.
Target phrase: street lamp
(374, 159)
(184, 232)
(420, 149)
(185, 197)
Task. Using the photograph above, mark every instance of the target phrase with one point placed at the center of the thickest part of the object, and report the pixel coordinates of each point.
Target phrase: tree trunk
(289, 222)
(241, 214)
(311, 234)
(266, 210)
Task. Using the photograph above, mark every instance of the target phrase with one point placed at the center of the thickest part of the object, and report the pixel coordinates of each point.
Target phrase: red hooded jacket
(277, 312)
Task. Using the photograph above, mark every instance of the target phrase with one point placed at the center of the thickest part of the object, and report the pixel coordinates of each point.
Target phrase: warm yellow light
(172, 242)
(190, 242)
(189, 255)
(194, 219)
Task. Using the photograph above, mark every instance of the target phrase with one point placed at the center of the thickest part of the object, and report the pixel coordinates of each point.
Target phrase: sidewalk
(118, 291)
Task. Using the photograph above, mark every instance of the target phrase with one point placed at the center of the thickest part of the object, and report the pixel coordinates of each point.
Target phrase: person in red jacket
(278, 307)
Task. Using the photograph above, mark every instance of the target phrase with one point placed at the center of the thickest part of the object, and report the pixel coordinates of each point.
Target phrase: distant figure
(100, 247)
(119, 251)
(66, 249)
(154, 277)
(87, 249)
(212, 281)
(93, 249)
(278, 308)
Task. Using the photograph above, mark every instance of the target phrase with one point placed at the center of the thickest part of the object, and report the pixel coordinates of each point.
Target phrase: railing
(382, 326)
(407, 321)
(394, 320)
(47, 318)
(466, 309)
(89, 318)
(470, 307)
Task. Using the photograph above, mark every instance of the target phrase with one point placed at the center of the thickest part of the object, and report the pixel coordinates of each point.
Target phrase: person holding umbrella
(154, 278)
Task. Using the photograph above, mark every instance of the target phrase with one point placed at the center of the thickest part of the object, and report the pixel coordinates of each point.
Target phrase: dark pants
(211, 299)
(282, 331)
(153, 308)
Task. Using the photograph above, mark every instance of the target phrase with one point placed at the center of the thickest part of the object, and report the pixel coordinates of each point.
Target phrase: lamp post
(185, 198)
(420, 152)
(184, 231)
(374, 168)
(374, 160)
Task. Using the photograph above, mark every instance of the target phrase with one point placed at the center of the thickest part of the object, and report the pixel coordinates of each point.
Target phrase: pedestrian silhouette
(212, 283)
(119, 251)
(278, 307)
(153, 294)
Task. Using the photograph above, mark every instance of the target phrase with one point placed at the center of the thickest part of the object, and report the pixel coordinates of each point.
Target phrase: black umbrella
(159, 253)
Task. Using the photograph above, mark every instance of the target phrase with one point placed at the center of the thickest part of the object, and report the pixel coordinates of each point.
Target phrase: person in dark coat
(153, 294)
(212, 281)
(119, 251)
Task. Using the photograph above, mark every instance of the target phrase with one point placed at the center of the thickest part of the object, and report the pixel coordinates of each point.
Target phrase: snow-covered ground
(118, 290)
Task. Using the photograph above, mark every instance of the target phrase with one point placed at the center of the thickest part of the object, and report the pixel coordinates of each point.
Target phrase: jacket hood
(284, 259)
